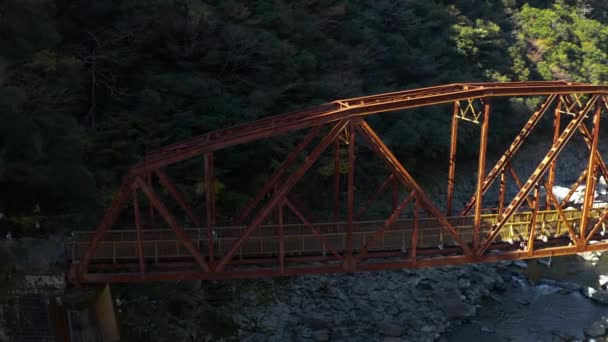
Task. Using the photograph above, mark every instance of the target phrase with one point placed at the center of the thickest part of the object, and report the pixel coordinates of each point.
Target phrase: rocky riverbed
(508, 301)
(387, 306)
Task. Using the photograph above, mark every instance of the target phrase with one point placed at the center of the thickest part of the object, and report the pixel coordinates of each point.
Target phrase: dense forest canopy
(86, 88)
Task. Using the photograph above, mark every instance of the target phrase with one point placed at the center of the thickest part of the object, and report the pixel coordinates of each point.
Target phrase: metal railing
(121, 245)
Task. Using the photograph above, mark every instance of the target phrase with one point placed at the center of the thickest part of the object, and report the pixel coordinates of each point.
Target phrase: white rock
(603, 279)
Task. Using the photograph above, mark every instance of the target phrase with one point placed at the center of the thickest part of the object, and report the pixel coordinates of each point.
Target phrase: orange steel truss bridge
(260, 242)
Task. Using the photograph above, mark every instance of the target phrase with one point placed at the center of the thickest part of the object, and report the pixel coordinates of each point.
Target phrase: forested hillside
(87, 87)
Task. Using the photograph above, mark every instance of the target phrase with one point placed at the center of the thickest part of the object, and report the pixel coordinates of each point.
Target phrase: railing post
(532, 227)
(156, 252)
(502, 191)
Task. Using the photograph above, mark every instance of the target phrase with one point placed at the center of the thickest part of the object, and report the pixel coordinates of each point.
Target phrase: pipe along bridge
(153, 230)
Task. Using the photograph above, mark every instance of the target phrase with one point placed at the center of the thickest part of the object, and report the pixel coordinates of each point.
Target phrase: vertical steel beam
(414, 244)
(510, 152)
(481, 167)
(537, 174)
(289, 183)
(281, 240)
(502, 190)
(395, 194)
(182, 236)
(337, 181)
(350, 195)
(150, 207)
(406, 179)
(556, 131)
(209, 201)
(179, 198)
(590, 186)
(532, 228)
(452, 167)
(274, 178)
(140, 249)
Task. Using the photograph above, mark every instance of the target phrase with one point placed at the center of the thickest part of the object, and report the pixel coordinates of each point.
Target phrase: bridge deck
(162, 244)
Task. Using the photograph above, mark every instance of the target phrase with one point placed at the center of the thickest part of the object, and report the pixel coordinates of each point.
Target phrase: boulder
(600, 296)
(452, 304)
(520, 264)
(596, 329)
(390, 329)
(562, 284)
(320, 335)
(317, 322)
(392, 339)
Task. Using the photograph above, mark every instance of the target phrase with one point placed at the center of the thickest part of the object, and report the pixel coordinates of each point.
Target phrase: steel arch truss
(259, 241)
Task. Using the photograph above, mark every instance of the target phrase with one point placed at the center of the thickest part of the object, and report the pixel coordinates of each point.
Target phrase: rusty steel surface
(262, 241)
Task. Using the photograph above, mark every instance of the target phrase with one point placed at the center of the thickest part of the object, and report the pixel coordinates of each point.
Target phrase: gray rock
(600, 296)
(520, 264)
(452, 304)
(427, 329)
(317, 322)
(564, 285)
(390, 329)
(392, 339)
(320, 335)
(596, 329)
(393, 310)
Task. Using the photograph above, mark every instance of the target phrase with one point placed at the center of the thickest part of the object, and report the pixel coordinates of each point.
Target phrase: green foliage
(86, 89)
(564, 43)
